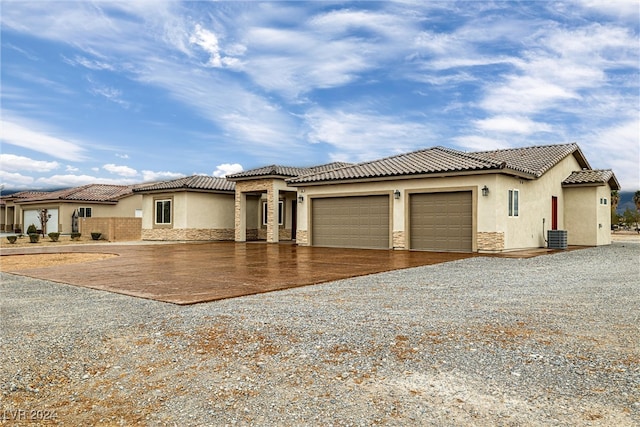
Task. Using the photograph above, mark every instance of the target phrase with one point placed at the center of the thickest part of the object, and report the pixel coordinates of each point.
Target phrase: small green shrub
(12, 239)
(95, 235)
(54, 236)
(34, 237)
(75, 236)
(32, 229)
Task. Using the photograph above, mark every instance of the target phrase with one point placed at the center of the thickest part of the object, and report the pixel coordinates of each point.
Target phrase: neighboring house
(440, 199)
(88, 201)
(266, 208)
(11, 220)
(192, 208)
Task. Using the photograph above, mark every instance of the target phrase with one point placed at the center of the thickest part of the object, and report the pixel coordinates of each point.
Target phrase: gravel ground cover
(551, 340)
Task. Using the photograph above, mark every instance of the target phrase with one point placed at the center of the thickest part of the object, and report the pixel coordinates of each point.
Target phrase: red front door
(554, 213)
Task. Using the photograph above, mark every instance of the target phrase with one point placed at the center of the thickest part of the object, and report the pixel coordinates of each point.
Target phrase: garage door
(355, 222)
(441, 221)
(32, 216)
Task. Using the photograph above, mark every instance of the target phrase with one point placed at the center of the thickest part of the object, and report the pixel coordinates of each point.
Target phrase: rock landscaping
(550, 340)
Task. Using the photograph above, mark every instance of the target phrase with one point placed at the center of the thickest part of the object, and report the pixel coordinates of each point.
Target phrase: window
(514, 202)
(265, 214)
(603, 201)
(163, 211)
(84, 212)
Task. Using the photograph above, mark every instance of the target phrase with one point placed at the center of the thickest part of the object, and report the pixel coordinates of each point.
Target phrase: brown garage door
(441, 221)
(355, 222)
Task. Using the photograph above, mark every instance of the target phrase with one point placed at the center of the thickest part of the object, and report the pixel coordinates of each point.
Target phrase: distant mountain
(626, 201)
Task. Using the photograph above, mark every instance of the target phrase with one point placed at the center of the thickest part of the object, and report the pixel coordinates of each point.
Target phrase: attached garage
(441, 221)
(354, 221)
(32, 216)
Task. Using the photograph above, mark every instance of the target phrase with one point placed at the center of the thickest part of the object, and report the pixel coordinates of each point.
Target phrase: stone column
(273, 230)
(241, 216)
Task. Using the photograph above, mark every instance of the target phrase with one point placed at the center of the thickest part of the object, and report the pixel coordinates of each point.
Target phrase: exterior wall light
(485, 191)
(300, 199)
(396, 194)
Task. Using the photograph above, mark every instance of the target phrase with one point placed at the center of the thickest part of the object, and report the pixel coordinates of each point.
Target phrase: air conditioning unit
(557, 239)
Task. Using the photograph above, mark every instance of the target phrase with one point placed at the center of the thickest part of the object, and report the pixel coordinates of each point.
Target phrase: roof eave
(257, 177)
(445, 174)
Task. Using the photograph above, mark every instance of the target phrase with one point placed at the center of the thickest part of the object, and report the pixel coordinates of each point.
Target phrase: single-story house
(440, 199)
(88, 201)
(436, 199)
(196, 207)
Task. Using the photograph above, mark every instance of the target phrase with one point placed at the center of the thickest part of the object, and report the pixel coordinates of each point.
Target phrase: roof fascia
(414, 176)
(260, 177)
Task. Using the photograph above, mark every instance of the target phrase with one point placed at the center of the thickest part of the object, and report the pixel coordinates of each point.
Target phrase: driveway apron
(188, 273)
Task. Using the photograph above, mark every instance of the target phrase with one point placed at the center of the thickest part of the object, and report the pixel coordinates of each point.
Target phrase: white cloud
(92, 64)
(208, 42)
(627, 9)
(13, 163)
(125, 171)
(15, 181)
(70, 168)
(71, 180)
(511, 124)
(32, 135)
(480, 143)
(227, 169)
(112, 94)
(360, 137)
(148, 176)
(622, 152)
(122, 156)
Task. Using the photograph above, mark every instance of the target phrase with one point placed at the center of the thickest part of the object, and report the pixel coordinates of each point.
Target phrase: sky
(138, 91)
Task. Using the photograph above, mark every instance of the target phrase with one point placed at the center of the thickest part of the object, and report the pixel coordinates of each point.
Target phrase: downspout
(544, 238)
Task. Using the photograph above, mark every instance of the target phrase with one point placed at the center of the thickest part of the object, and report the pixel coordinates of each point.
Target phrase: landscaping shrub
(34, 237)
(96, 235)
(12, 239)
(75, 236)
(54, 236)
(32, 229)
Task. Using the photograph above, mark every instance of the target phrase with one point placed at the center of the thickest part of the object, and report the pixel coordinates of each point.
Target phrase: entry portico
(265, 206)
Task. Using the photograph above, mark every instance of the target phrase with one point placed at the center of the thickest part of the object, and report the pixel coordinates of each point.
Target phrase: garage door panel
(441, 221)
(361, 222)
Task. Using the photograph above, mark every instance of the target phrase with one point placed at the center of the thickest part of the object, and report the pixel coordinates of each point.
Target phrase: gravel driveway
(552, 340)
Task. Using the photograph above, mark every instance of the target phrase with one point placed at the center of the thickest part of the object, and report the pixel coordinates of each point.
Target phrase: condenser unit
(557, 239)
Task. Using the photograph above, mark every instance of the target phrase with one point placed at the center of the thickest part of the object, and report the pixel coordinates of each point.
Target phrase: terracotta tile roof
(284, 171)
(535, 160)
(24, 195)
(85, 193)
(532, 161)
(431, 160)
(194, 182)
(592, 177)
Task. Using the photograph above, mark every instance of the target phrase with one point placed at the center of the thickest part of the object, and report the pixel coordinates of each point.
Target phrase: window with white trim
(514, 202)
(163, 211)
(84, 212)
(265, 213)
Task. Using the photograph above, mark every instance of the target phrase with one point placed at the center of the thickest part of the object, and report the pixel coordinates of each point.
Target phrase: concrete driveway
(189, 273)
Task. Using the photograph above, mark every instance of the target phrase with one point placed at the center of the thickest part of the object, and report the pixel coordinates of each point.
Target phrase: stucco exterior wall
(588, 215)
(194, 216)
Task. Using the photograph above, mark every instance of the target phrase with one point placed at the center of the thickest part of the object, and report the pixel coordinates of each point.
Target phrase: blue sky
(127, 92)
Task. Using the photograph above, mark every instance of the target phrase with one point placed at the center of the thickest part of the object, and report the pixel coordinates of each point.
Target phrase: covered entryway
(441, 221)
(351, 222)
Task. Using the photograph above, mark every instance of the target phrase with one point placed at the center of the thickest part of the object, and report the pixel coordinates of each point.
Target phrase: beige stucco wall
(195, 216)
(588, 220)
